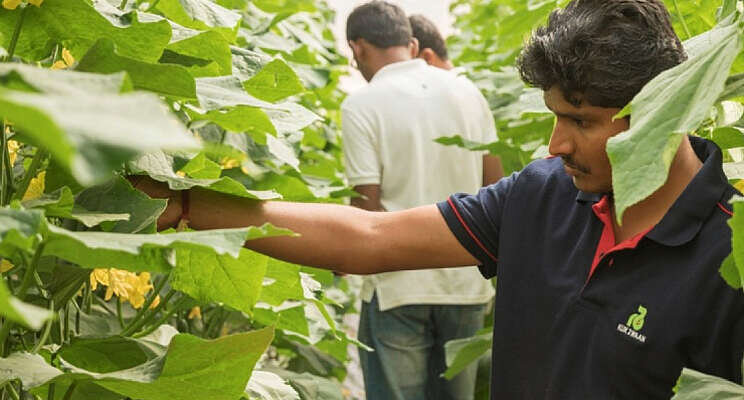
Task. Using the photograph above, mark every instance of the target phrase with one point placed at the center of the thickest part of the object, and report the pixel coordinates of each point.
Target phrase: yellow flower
(120, 284)
(13, 147)
(66, 62)
(229, 163)
(11, 4)
(99, 275)
(6, 266)
(195, 313)
(127, 286)
(37, 3)
(36, 187)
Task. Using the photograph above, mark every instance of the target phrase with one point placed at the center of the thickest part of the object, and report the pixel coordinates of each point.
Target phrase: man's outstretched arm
(342, 238)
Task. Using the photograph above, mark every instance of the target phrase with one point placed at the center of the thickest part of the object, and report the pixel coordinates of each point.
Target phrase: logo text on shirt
(634, 325)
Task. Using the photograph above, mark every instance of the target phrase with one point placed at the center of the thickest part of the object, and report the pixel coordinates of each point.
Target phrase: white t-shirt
(389, 128)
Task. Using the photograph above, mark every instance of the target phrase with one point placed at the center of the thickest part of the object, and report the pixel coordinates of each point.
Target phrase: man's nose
(561, 140)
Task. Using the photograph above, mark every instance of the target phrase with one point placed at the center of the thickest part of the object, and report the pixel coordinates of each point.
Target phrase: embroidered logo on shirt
(634, 325)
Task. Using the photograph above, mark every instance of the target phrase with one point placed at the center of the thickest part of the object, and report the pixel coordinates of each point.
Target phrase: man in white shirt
(389, 129)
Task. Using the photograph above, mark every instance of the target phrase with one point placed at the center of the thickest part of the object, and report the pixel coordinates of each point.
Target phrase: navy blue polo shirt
(579, 317)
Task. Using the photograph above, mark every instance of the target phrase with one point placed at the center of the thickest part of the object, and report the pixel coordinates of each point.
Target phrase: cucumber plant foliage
(233, 96)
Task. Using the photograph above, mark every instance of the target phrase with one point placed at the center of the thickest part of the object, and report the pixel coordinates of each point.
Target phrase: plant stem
(21, 295)
(146, 307)
(682, 19)
(68, 394)
(118, 313)
(135, 325)
(50, 395)
(12, 391)
(28, 278)
(123, 4)
(164, 318)
(33, 169)
(47, 330)
(16, 34)
(4, 162)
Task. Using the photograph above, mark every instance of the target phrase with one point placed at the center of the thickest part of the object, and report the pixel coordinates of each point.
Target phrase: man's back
(406, 106)
(389, 132)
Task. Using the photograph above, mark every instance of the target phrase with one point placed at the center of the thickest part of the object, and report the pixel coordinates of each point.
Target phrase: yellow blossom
(99, 275)
(6, 266)
(229, 163)
(37, 3)
(127, 286)
(66, 62)
(36, 187)
(11, 4)
(13, 147)
(195, 313)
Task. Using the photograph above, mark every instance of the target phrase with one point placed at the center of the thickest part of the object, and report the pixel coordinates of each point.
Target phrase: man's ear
(429, 56)
(413, 46)
(357, 47)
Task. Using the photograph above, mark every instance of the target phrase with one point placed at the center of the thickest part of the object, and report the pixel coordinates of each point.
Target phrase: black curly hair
(602, 51)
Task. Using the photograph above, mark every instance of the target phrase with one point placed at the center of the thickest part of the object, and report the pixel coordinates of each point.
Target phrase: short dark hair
(380, 23)
(603, 50)
(428, 35)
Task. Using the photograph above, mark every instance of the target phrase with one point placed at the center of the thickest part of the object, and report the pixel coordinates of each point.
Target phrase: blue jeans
(409, 350)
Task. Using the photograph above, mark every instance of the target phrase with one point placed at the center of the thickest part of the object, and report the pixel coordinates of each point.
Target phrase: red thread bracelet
(185, 205)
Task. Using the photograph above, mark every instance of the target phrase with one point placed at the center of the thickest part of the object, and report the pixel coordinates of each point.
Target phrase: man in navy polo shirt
(585, 308)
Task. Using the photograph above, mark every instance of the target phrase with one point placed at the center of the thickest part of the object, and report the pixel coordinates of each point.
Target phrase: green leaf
(728, 137)
(207, 370)
(34, 44)
(222, 93)
(159, 167)
(732, 269)
(282, 283)
(695, 385)
(31, 369)
(275, 81)
(109, 354)
(25, 314)
(19, 230)
(238, 119)
(201, 15)
(60, 203)
(94, 134)
(203, 54)
(70, 83)
(118, 195)
(310, 386)
(461, 353)
(670, 106)
(209, 277)
(167, 80)
(286, 6)
(153, 252)
(265, 385)
(200, 167)
(78, 25)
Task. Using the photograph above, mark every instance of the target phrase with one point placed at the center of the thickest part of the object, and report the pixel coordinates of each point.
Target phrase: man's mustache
(568, 161)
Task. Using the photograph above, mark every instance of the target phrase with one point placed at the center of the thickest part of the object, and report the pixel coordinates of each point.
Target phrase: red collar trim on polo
(607, 244)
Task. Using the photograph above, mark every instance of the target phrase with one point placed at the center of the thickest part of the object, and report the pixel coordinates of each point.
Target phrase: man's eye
(579, 122)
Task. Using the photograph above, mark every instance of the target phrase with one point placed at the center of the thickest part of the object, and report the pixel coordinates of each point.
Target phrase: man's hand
(159, 190)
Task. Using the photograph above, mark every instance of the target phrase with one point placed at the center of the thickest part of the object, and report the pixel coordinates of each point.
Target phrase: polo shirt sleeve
(475, 220)
(362, 159)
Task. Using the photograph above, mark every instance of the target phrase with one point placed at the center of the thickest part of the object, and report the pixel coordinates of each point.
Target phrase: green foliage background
(234, 96)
